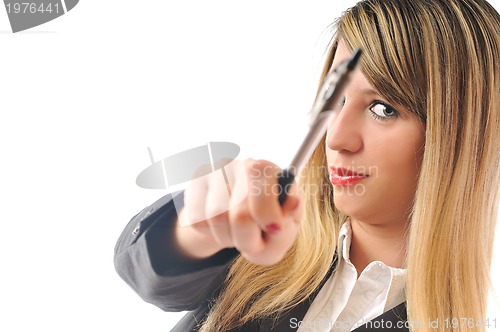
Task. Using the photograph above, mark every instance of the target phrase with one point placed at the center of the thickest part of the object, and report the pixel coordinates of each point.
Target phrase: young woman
(395, 209)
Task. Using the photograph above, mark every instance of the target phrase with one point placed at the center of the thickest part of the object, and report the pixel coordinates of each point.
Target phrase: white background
(81, 99)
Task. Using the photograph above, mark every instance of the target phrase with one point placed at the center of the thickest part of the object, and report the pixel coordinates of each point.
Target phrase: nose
(344, 130)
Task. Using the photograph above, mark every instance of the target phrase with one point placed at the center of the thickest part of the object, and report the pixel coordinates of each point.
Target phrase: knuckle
(221, 234)
(218, 220)
(240, 215)
(215, 211)
(202, 170)
(194, 216)
(238, 195)
(248, 162)
(216, 180)
(262, 168)
(201, 227)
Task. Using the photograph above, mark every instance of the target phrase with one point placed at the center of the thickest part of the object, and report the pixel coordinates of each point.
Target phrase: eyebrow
(369, 92)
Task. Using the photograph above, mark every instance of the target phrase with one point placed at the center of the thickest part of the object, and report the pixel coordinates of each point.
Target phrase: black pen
(329, 95)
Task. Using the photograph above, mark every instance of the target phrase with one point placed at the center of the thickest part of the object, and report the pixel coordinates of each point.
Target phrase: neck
(371, 242)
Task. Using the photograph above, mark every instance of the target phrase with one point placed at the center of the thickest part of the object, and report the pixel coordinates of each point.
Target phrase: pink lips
(340, 176)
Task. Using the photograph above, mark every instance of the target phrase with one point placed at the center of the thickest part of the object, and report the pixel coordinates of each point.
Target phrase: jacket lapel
(289, 322)
(395, 319)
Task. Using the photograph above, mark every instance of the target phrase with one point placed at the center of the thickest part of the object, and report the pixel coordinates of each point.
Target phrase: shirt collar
(344, 246)
(344, 241)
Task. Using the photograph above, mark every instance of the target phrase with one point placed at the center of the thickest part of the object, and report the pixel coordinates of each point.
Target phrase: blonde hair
(439, 59)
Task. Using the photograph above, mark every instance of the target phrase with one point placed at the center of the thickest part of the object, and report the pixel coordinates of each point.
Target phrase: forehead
(358, 82)
(341, 53)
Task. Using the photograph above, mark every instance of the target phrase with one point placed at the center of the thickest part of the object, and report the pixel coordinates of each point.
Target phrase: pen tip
(354, 59)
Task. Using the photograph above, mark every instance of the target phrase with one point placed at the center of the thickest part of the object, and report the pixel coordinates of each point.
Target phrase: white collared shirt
(346, 302)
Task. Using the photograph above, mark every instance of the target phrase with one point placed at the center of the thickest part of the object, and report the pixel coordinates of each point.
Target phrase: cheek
(399, 163)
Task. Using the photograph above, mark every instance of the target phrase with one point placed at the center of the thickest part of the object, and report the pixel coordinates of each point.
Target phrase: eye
(381, 111)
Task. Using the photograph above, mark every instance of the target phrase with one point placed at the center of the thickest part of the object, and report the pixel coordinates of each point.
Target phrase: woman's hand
(239, 208)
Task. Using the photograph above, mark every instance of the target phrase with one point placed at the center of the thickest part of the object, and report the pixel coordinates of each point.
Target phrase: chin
(349, 205)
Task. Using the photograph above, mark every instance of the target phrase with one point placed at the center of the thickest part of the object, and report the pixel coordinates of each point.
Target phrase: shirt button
(136, 229)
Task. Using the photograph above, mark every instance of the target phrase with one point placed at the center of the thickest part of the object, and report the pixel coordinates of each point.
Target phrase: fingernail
(273, 228)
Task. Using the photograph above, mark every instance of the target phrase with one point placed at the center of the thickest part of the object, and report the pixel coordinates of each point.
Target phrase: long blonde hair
(439, 59)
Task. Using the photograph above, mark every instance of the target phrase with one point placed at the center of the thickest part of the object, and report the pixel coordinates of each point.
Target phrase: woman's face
(374, 152)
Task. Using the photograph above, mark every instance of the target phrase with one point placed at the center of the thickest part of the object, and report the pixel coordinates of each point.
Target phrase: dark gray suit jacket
(146, 258)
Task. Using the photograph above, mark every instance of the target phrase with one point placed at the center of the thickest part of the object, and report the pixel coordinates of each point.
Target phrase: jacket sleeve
(146, 258)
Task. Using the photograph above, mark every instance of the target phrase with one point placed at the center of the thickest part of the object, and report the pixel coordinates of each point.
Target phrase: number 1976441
(32, 8)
